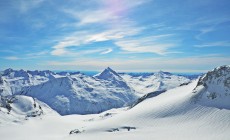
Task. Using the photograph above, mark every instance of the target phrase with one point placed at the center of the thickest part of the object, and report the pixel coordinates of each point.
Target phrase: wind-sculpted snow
(213, 89)
(81, 94)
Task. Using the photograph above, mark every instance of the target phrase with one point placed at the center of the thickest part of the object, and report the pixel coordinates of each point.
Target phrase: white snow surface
(170, 116)
(154, 82)
(17, 109)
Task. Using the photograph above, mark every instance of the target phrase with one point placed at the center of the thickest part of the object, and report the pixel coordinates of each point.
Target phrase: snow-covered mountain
(15, 80)
(81, 94)
(152, 82)
(112, 77)
(4, 87)
(213, 89)
(16, 109)
(74, 92)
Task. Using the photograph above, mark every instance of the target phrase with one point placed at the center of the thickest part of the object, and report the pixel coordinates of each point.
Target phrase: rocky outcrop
(213, 89)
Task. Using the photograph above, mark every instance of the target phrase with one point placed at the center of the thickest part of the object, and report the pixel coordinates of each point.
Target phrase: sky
(126, 35)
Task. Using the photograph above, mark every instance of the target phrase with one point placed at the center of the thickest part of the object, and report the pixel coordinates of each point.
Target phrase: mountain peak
(221, 73)
(163, 72)
(213, 89)
(107, 74)
(7, 71)
(108, 68)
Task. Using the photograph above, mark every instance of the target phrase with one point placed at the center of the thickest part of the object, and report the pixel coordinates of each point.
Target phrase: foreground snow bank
(16, 109)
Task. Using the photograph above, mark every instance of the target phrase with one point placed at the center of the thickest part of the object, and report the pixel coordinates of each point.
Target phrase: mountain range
(77, 93)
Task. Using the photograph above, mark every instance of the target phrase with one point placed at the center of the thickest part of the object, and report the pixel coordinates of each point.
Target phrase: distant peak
(9, 69)
(107, 73)
(109, 69)
(163, 72)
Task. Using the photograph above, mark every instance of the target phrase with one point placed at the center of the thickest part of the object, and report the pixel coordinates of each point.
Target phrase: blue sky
(127, 35)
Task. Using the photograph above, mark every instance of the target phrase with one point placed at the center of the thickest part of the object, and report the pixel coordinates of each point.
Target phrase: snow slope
(81, 94)
(158, 81)
(170, 116)
(17, 109)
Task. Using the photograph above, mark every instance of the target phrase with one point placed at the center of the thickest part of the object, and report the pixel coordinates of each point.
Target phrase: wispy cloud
(8, 51)
(88, 16)
(108, 11)
(38, 53)
(214, 44)
(150, 44)
(24, 5)
(87, 37)
(109, 50)
(204, 31)
(109, 16)
(91, 51)
(27, 56)
(11, 58)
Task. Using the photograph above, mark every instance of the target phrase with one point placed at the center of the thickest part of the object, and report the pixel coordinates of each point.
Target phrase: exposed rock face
(214, 88)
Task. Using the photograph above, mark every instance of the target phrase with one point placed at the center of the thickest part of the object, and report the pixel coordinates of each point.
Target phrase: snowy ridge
(158, 81)
(81, 94)
(213, 89)
(17, 79)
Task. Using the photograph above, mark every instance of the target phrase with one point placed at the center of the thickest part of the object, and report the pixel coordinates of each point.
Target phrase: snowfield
(198, 110)
(171, 115)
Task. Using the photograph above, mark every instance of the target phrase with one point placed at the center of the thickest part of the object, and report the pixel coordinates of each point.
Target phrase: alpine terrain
(110, 106)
